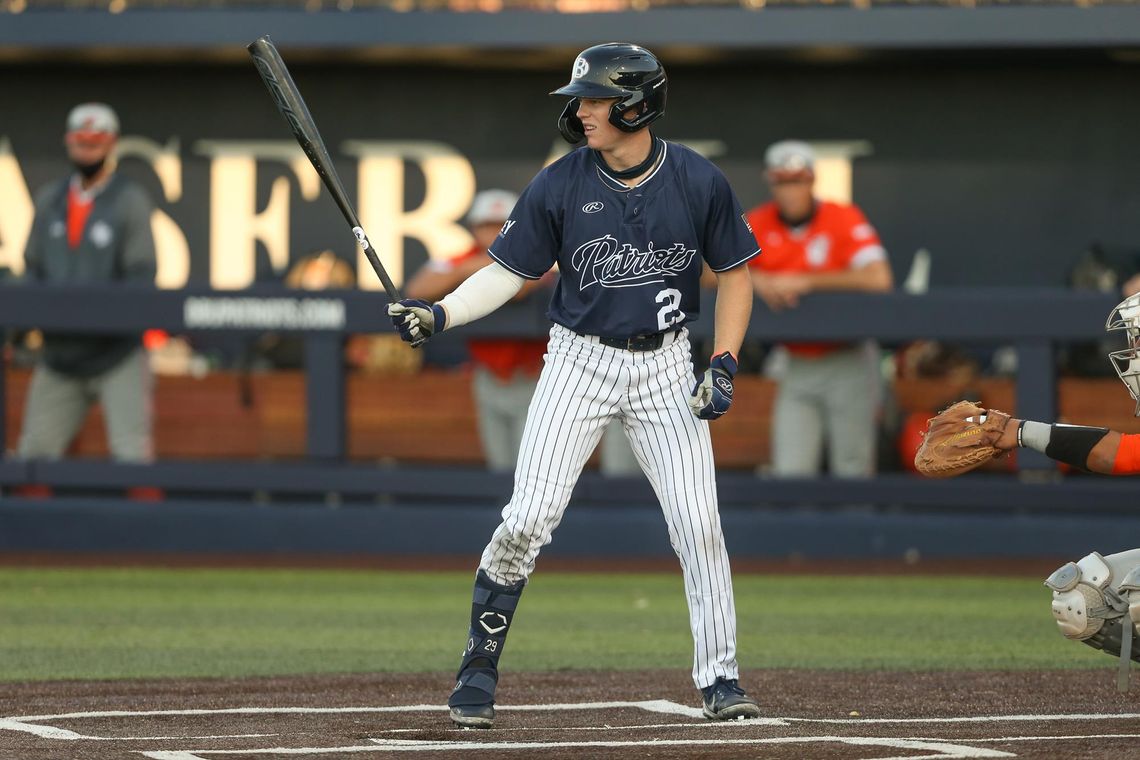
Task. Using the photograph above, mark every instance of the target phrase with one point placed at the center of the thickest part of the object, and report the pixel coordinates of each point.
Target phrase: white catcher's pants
(582, 387)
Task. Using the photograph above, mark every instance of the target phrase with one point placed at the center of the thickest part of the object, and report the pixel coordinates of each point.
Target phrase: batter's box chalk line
(939, 748)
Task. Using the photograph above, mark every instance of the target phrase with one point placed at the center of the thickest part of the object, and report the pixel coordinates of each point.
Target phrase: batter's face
(793, 195)
(595, 116)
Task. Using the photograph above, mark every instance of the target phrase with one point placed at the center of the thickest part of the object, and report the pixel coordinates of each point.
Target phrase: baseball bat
(289, 102)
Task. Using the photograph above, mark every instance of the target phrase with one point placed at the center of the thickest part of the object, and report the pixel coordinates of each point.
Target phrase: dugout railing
(1035, 321)
(325, 504)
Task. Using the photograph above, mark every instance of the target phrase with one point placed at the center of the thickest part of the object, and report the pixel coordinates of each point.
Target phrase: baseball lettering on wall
(222, 247)
(171, 248)
(235, 224)
(449, 188)
(16, 210)
(833, 168)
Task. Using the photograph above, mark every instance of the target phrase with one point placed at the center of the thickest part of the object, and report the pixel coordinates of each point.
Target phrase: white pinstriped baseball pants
(582, 387)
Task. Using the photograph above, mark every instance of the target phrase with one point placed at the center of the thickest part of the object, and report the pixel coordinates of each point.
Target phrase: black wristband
(1072, 444)
(1020, 427)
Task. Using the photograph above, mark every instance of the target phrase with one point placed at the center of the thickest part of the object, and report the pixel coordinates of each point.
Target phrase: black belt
(638, 342)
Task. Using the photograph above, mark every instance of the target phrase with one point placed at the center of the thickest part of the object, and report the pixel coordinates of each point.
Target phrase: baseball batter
(628, 219)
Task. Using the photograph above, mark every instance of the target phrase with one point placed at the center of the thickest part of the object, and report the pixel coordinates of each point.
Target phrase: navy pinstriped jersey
(629, 258)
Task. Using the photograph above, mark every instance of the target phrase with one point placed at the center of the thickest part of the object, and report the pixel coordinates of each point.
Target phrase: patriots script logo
(606, 262)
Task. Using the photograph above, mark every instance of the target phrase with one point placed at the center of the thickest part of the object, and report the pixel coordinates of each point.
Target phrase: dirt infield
(811, 714)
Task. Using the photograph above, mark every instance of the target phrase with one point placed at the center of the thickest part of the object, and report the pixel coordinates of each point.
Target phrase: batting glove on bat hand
(712, 395)
(417, 320)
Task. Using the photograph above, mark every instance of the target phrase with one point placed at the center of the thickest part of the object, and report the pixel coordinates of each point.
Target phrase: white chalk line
(724, 724)
(709, 724)
(656, 706)
(652, 705)
(945, 750)
(1002, 739)
(51, 732)
(942, 750)
(234, 711)
(941, 746)
(44, 732)
(968, 719)
(28, 724)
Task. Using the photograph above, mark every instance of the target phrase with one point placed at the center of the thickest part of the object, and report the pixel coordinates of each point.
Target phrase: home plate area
(811, 714)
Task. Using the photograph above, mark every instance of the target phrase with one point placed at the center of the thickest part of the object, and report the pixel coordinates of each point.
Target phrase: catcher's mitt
(959, 439)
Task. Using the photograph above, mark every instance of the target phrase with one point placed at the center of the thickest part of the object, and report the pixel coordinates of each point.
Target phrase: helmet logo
(581, 67)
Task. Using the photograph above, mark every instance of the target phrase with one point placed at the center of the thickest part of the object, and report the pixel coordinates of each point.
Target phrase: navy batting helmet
(619, 70)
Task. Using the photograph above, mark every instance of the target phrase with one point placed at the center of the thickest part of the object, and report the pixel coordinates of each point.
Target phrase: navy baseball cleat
(474, 716)
(725, 700)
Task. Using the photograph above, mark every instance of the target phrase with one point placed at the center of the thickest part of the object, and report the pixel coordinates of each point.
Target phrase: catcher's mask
(1126, 316)
(619, 70)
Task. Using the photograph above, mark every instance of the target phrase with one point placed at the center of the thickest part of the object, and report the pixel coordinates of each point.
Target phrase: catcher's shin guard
(492, 608)
(1090, 607)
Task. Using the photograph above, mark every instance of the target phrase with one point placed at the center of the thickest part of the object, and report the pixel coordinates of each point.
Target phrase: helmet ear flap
(570, 125)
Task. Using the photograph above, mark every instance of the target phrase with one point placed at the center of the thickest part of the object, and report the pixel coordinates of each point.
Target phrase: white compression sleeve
(480, 294)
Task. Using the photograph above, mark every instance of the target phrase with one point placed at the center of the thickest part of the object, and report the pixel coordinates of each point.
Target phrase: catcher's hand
(961, 438)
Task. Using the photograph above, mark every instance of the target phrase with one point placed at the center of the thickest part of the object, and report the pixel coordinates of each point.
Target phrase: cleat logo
(489, 619)
(458, 684)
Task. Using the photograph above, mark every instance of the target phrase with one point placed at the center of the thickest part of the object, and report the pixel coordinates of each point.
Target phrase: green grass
(134, 623)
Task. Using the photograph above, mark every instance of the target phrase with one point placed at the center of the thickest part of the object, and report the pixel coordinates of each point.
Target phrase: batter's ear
(570, 125)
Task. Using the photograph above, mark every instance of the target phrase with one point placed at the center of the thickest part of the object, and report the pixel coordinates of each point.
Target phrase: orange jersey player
(828, 392)
(835, 240)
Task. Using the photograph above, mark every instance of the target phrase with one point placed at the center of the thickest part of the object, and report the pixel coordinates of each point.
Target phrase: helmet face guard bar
(1127, 366)
(1126, 316)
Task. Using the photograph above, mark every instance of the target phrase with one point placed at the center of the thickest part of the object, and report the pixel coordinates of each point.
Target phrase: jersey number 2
(670, 314)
